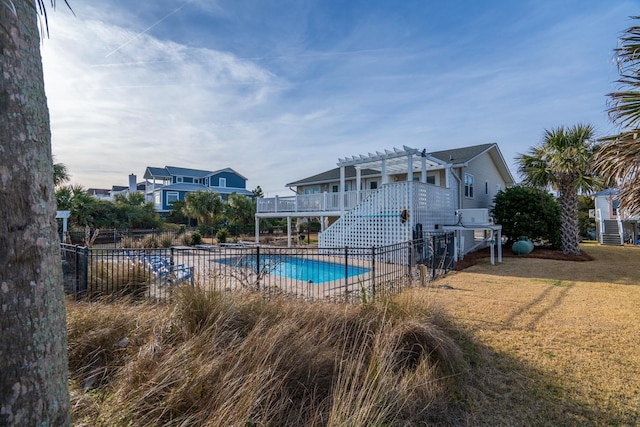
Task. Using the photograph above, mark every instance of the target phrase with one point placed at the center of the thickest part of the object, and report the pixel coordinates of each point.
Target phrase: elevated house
(163, 186)
(613, 225)
(388, 197)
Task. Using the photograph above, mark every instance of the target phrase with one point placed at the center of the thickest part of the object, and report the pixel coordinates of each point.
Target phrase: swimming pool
(304, 269)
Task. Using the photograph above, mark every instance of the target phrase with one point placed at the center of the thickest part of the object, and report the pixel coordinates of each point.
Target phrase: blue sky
(279, 90)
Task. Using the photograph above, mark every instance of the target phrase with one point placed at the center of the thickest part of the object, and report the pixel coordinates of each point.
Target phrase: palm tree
(206, 206)
(562, 162)
(619, 157)
(60, 174)
(33, 330)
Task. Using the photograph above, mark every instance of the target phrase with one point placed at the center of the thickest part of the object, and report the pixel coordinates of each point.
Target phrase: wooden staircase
(611, 233)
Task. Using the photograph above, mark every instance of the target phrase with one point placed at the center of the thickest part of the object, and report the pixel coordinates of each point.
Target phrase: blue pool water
(307, 270)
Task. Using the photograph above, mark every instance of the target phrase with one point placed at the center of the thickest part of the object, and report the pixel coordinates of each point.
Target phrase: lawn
(555, 342)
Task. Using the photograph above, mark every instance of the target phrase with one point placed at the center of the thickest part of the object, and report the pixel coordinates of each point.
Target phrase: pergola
(391, 163)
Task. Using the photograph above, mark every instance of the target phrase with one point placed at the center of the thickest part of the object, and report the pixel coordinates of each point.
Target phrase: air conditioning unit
(472, 217)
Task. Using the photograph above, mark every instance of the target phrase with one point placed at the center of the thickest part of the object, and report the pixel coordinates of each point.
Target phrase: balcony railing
(322, 202)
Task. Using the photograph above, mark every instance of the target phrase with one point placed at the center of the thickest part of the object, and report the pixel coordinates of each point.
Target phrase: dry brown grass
(526, 342)
(236, 360)
(550, 342)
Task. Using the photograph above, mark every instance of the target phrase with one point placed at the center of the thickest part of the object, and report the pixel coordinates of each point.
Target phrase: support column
(358, 183)
(257, 233)
(288, 231)
(499, 242)
(423, 169)
(342, 185)
(410, 168)
(383, 171)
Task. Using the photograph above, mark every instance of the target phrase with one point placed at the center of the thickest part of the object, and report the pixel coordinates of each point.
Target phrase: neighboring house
(614, 226)
(125, 190)
(163, 186)
(100, 193)
(359, 202)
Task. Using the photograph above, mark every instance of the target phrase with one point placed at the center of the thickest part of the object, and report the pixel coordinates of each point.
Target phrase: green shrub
(205, 230)
(526, 211)
(196, 239)
(221, 235)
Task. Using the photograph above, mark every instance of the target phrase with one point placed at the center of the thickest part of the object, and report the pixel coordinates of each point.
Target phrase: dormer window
(222, 182)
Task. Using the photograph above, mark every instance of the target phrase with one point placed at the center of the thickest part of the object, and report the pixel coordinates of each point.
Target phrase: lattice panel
(376, 221)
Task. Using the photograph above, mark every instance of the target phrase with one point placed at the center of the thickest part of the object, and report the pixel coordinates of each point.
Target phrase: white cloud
(122, 99)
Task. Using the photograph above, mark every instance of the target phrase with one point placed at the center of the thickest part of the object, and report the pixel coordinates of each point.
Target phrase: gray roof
(461, 155)
(334, 175)
(195, 173)
(169, 171)
(455, 156)
(607, 192)
(152, 172)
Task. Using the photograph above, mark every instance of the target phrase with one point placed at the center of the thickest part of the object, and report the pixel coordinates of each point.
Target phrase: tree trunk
(33, 343)
(568, 198)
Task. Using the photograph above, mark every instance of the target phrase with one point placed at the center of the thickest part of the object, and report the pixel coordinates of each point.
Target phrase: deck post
(383, 171)
(358, 181)
(342, 190)
(288, 231)
(373, 271)
(346, 274)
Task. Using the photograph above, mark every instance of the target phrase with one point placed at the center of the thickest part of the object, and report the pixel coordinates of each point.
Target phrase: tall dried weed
(215, 359)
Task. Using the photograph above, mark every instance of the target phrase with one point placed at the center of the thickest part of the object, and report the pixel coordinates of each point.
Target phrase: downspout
(460, 189)
(460, 250)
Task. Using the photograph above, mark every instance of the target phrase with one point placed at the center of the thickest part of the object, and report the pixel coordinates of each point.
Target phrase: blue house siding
(233, 180)
(165, 204)
(178, 182)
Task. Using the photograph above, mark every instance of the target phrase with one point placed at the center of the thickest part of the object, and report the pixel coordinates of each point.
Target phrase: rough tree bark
(33, 345)
(568, 199)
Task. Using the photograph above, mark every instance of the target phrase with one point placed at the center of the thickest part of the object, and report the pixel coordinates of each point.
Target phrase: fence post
(257, 268)
(85, 270)
(373, 271)
(434, 263)
(76, 271)
(409, 257)
(171, 266)
(346, 274)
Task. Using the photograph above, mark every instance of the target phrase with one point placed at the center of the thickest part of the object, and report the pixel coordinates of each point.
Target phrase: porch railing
(320, 202)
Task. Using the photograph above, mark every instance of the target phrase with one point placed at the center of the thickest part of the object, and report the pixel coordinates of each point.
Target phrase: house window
(468, 185)
(157, 197)
(179, 179)
(431, 179)
(498, 188)
(222, 182)
(172, 196)
(334, 188)
(486, 187)
(312, 190)
(373, 185)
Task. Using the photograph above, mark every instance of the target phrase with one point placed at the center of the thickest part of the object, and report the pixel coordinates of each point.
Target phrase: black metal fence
(336, 274)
